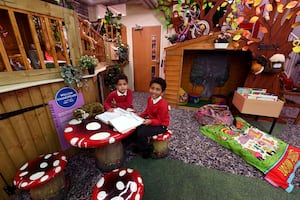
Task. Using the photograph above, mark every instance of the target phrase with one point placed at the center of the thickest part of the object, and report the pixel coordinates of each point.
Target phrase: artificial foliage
(109, 19)
(87, 62)
(73, 76)
(223, 37)
(109, 79)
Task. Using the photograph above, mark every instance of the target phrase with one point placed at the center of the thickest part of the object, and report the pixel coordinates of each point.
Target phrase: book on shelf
(247, 90)
(265, 97)
(122, 120)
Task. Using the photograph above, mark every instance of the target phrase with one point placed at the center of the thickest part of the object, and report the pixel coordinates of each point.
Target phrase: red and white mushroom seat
(122, 183)
(160, 143)
(43, 176)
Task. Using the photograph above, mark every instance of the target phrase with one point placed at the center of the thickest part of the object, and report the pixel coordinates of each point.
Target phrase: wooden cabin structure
(29, 80)
(181, 56)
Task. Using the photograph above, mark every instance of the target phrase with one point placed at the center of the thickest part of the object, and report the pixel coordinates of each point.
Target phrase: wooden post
(4, 57)
(36, 41)
(18, 38)
(63, 42)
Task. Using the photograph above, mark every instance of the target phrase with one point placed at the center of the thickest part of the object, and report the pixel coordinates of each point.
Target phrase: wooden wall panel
(27, 135)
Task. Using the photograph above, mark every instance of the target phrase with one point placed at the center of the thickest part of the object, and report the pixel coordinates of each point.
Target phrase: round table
(93, 133)
(43, 176)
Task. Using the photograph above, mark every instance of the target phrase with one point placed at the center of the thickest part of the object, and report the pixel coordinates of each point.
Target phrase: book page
(107, 116)
(124, 123)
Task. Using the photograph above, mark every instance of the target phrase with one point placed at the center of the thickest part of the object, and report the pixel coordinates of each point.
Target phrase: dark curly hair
(120, 77)
(159, 81)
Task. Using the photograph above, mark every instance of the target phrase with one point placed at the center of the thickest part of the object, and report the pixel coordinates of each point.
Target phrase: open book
(122, 120)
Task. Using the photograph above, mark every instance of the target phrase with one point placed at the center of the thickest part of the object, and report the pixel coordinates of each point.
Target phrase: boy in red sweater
(121, 97)
(156, 116)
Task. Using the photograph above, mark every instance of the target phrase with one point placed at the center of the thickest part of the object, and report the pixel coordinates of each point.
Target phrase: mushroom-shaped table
(93, 133)
(43, 176)
(123, 183)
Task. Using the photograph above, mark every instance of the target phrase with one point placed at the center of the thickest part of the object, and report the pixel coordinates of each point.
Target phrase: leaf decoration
(263, 29)
(289, 15)
(236, 37)
(240, 19)
(250, 42)
(296, 24)
(235, 44)
(245, 48)
(291, 4)
(224, 4)
(269, 7)
(257, 10)
(246, 34)
(280, 8)
(257, 2)
(253, 19)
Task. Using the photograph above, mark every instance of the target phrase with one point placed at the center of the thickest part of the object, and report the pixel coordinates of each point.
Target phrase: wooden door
(146, 56)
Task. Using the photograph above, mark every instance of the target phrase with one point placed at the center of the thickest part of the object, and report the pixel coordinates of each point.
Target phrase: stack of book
(257, 94)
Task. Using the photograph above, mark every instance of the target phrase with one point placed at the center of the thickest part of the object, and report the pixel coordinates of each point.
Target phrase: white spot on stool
(68, 130)
(122, 172)
(133, 186)
(23, 173)
(120, 185)
(44, 178)
(74, 122)
(57, 169)
(112, 140)
(101, 195)
(100, 182)
(24, 166)
(56, 163)
(100, 136)
(93, 126)
(74, 140)
(36, 176)
(43, 165)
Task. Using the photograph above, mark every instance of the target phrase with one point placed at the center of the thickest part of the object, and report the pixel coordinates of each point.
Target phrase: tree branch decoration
(276, 19)
(273, 17)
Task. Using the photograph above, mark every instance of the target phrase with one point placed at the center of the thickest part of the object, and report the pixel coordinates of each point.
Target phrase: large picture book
(122, 120)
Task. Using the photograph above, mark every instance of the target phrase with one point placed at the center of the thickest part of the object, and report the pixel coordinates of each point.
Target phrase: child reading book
(156, 116)
(121, 97)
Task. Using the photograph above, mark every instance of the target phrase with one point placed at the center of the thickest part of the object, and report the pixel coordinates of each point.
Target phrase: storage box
(257, 107)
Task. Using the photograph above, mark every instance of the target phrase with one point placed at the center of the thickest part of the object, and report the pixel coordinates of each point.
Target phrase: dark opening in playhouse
(210, 76)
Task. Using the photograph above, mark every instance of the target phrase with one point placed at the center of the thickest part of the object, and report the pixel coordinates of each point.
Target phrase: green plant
(73, 76)
(112, 71)
(88, 62)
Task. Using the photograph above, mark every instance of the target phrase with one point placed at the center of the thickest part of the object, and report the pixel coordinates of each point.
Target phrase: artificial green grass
(265, 126)
(197, 105)
(166, 179)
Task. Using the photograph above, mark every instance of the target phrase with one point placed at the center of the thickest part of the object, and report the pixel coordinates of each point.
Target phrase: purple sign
(66, 101)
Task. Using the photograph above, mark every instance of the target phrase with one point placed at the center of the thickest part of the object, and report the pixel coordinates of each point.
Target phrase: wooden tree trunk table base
(109, 157)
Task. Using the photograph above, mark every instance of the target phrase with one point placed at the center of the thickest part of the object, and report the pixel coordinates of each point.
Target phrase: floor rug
(174, 180)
